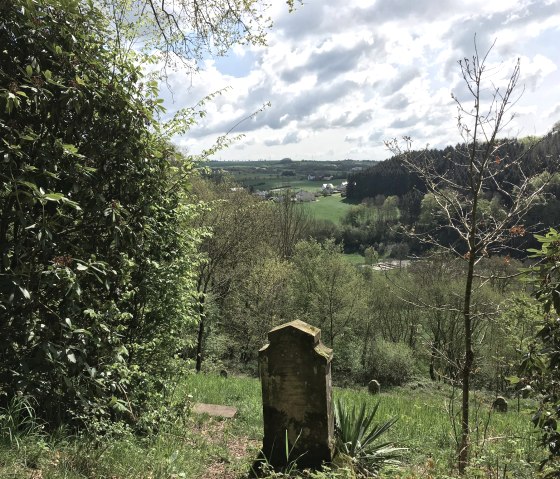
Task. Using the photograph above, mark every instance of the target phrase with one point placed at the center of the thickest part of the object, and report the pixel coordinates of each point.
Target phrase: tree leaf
(54, 196)
(25, 292)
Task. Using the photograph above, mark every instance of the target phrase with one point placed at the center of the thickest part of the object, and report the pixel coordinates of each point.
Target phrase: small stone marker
(215, 410)
(295, 370)
(374, 387)
(500, 404)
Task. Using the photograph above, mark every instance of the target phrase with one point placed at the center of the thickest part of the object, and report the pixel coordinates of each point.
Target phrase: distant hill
(389, 177)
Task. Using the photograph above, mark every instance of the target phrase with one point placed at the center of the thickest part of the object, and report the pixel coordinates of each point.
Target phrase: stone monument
(295, 370)
(374, 387)
(500, 404)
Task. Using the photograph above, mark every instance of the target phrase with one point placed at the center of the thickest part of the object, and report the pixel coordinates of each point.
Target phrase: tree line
(540, 158)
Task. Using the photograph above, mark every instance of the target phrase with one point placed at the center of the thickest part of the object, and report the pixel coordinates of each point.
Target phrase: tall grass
(191, 446)
(428, 424)
(18, 420)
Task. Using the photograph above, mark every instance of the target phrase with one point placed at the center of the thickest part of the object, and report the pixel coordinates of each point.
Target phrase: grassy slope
(199, 447)
(332, 208)
(424, 423)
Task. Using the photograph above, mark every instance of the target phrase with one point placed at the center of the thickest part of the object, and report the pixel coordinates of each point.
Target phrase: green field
(424, 424)
(332, 208)
(296, 185)
(355, 258)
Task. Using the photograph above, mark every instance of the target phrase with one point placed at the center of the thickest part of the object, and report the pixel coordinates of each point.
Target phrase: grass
(194, 446)
(332, 208)
(425, 426)
(355, 258)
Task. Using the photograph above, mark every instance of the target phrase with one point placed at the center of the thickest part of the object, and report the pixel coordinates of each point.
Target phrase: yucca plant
(357, 437)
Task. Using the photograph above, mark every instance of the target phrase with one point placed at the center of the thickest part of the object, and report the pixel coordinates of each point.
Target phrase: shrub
(95, 260)
(390, 363)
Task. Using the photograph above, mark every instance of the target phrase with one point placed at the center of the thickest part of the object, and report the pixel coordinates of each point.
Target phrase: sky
(340, 77)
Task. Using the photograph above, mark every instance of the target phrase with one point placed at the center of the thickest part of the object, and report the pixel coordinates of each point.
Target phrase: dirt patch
(241, 451)
(215, 410)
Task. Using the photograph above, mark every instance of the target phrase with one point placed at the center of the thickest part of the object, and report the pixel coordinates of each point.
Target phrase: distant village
(301, 196)
(287, 179)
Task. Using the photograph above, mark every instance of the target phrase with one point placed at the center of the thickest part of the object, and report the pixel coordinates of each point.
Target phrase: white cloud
(342, 77)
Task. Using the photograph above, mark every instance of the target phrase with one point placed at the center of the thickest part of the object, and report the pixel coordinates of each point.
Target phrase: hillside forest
(132, 275)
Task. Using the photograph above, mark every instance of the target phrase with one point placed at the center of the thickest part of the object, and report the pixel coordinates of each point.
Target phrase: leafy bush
(390, 363)
(541, 364)
(95, 259)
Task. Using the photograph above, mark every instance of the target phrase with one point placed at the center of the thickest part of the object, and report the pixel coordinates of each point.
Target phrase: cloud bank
(343, 77)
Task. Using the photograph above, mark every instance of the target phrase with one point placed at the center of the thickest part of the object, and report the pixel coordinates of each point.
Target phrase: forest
(135, 281)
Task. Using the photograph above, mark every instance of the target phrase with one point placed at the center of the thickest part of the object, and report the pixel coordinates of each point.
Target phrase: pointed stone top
(297, 327)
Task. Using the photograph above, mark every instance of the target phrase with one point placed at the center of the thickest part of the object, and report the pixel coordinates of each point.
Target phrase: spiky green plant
(18, 419)
(357, 436)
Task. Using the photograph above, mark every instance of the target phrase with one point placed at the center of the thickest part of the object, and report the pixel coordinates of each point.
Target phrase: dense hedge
(95, 260)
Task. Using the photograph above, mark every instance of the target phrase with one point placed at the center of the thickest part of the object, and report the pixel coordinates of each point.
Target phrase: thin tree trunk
(200, 336)
(433, 362)
(464, 447)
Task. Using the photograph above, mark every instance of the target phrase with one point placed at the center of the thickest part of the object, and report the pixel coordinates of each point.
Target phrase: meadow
(331, 208)
(196, 446)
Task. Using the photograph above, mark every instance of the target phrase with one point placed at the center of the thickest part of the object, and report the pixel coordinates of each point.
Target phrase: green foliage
(357, 437)
(506, 337)
(95, 258)
(371, 256)
(325, 289)
(18, 419)
(392, 364)
(548, 271)
(258, 304)
(541, 364)
(192, 446)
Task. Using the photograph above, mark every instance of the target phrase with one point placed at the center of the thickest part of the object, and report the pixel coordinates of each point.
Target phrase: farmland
(332, 208)
(286, 173)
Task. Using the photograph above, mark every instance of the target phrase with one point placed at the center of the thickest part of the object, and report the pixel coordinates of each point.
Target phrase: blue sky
(343, 76)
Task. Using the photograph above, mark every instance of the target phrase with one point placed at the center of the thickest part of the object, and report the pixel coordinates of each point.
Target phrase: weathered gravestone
(295, 370)
(374, 387)
(500, 404)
